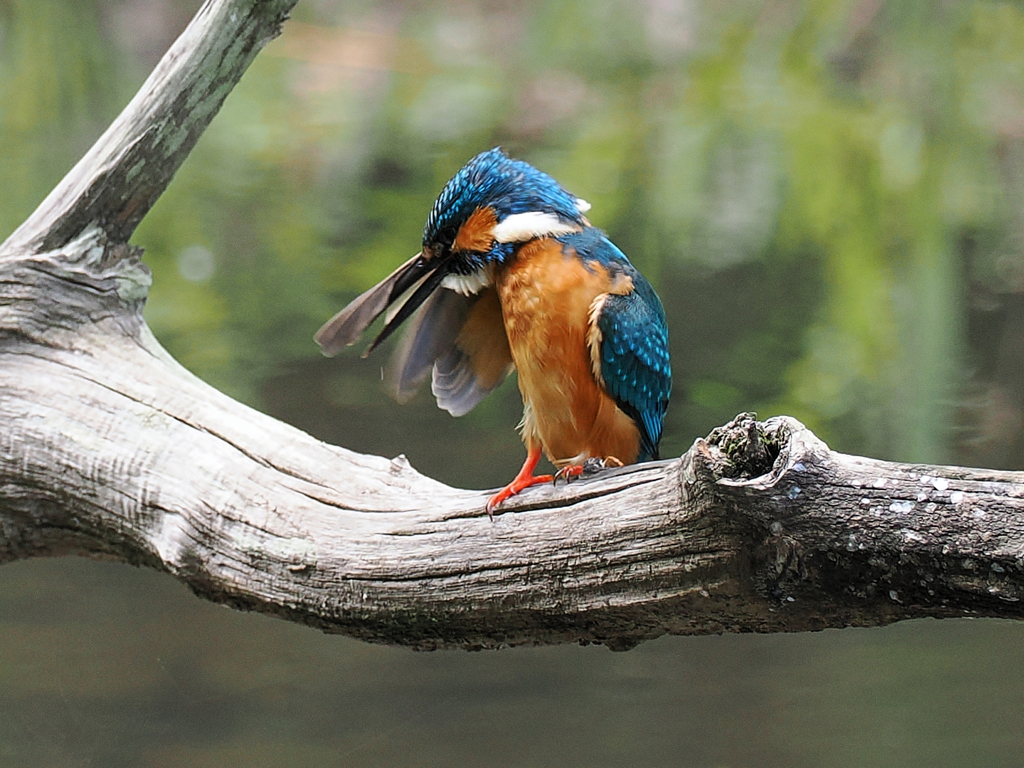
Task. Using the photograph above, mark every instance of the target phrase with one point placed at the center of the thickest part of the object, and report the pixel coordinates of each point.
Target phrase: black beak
(427, 285)
(345, 328)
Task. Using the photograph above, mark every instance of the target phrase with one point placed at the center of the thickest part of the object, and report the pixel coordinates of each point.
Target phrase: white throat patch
(469, 284)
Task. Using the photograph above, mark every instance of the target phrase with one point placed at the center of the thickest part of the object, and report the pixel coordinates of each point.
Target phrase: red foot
(523, 480)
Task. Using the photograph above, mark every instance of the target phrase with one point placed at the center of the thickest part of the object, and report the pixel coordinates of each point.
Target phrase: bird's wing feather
(348, 325)
(462, 340)
(629, 339)
(477, 362)
(431, 334)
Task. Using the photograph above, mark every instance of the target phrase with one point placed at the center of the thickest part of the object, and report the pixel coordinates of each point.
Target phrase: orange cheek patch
(475, 234)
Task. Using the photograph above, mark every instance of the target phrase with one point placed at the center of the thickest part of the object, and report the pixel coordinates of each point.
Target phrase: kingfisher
(512, 276)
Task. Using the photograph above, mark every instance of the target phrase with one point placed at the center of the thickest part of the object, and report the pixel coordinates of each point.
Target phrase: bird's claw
(568, 473)
(523, 481)
(526, 478)
(589, 467)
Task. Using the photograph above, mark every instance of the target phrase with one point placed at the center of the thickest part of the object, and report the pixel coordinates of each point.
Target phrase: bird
(511, 275)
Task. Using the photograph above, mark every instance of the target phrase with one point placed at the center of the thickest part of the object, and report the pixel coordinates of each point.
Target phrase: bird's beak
(348, 325)
(416, 287)
(405, 290)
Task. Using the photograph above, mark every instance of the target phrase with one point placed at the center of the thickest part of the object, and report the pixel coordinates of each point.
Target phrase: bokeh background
(827, 195)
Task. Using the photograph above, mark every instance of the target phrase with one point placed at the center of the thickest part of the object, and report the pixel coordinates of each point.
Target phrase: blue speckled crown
(505, 185)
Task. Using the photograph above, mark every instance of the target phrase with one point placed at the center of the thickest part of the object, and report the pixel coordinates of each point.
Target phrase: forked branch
(112, 449)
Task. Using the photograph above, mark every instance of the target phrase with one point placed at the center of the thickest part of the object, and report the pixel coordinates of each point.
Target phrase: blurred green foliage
(828, 196)
(815, 188)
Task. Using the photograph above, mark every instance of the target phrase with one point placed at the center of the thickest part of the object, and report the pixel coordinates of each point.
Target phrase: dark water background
(828, 197)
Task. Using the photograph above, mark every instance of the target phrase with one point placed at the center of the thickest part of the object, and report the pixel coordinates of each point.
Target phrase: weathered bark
(111, 449)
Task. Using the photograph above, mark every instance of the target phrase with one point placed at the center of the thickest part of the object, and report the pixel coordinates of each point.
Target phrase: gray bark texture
(111, 449)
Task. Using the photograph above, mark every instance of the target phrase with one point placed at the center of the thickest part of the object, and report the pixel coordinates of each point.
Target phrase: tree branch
(116, 183)
(111, 449)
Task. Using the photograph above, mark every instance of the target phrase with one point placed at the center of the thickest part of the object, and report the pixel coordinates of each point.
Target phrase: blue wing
(634, 357)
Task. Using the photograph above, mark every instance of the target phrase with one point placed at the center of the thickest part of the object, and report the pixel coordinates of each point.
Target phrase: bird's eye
(439, 249)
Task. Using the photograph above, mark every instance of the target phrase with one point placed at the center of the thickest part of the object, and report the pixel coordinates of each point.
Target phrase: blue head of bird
(492, 204)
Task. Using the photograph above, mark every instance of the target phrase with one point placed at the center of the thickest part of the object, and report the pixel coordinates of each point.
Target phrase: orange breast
(545, 299)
